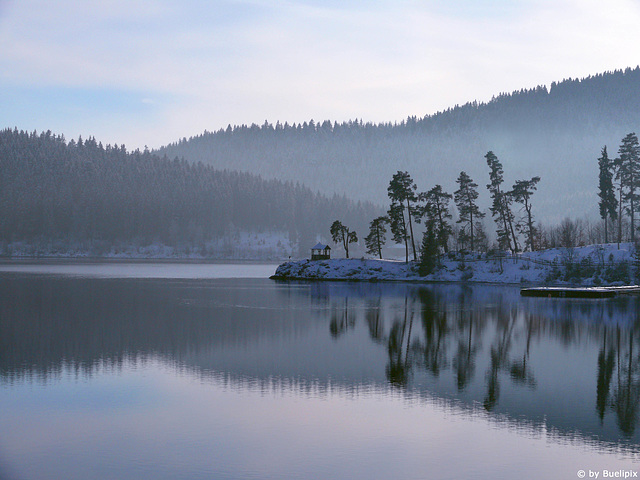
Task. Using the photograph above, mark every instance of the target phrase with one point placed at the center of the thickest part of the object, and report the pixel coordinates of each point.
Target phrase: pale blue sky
(143, 72)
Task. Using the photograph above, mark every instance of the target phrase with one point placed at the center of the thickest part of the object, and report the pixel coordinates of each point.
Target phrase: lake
(124, 370)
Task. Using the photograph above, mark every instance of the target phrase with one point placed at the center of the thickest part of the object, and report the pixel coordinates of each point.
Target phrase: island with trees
(441, 243)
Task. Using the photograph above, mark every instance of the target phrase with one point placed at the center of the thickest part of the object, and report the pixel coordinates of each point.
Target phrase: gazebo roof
(320, 246)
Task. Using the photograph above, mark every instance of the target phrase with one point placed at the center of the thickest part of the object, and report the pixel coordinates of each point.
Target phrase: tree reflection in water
(627, 392)
(464, 360)
(572, 366)
(431, 351)
(456, 335)
(399, 369)
(606, 364)
(342, 317)
(520, 371)
(374, 319)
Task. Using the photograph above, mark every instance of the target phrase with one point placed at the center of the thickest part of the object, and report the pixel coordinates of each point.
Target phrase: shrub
(587, 269)
(553, 275)
(617, 273)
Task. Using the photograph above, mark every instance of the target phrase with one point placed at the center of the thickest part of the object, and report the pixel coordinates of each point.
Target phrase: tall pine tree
(522, 191)
(436, 210)
(428, 250)
(399, 227)
(465, 198)
(402, 190)
(376, 238)
(628, 173)
(501, 205)
(608, 203)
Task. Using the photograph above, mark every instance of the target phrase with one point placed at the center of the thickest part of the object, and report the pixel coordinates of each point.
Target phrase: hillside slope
(80, 192)
(556, 133)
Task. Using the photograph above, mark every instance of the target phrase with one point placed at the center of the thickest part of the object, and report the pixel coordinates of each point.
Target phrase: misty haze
(316, 239)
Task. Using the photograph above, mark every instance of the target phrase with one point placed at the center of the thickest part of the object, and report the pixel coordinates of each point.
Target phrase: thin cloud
(245, 61)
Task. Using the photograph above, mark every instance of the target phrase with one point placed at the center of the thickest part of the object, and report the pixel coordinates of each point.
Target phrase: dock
(580, 292)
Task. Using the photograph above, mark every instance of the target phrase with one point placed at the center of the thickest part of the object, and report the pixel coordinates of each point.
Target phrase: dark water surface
(172, 374)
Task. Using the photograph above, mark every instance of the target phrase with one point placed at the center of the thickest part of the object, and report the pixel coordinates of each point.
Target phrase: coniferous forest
(55, 194)
(81, 192)
(554, 132)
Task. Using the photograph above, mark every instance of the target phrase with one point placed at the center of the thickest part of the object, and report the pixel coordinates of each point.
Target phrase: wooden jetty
(580, 292)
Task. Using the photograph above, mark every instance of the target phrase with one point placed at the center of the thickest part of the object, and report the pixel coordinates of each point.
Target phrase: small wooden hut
(320, 252)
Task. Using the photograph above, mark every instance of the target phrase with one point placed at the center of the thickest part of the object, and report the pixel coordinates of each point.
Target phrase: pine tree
(341, 234)
(428, 250)
(465, 198)
(399, 227)
(436, 209)
(628, 164)
(376, 238)
(501, 205)
(402, 190)
(608, 203)
(522, 191)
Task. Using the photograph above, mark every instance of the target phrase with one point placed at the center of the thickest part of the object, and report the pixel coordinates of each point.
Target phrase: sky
(150, 72)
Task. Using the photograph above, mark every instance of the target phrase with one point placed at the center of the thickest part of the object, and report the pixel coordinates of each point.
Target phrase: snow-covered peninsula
(591, 265)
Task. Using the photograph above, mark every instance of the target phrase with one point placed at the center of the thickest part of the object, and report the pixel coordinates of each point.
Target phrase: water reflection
(572, 367)
(542, 360)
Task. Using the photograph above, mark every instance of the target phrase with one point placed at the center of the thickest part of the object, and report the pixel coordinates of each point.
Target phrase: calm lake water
(165, 371)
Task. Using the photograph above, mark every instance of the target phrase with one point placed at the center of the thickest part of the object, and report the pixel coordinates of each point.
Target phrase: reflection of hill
(46, 322)
(571, 367)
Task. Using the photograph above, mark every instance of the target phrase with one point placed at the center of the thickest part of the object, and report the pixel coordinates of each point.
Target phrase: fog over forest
(81, 197)
(62, 197)
(556, 133)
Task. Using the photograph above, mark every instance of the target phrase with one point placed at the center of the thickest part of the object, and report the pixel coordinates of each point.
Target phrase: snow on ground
(237, 246)
(590, 265)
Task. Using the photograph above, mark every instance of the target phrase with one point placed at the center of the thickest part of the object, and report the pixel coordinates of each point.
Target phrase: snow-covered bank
(590, 265)
(237, 246)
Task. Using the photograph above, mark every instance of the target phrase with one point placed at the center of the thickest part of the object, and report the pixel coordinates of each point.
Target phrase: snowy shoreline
(238, 246)
(593, 265)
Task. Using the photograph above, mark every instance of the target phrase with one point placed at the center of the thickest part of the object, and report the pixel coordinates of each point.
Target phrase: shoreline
(83, 259)
(400, 280)
(589, 266)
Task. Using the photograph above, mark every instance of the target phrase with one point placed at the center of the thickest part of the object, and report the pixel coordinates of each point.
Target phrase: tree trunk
(527, 207)
(506, 230)
(503, 214)
(620, 217)
(444, 245)
(633, 229)
(406, 250)
(406, 240)
(413, 244)
(516, 248)
(471, 227)
(345, 242)
(632, 194)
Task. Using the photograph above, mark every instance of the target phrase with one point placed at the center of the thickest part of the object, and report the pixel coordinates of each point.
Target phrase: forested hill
(556, 133)
(80, 191)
